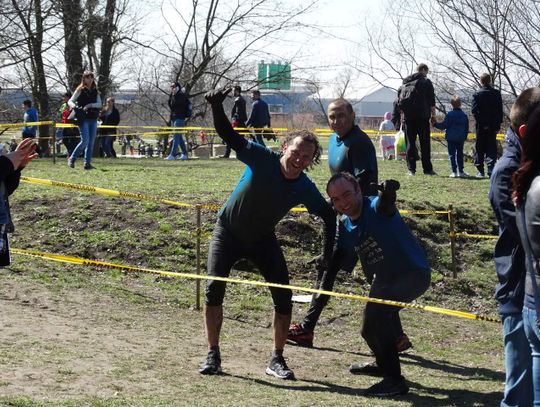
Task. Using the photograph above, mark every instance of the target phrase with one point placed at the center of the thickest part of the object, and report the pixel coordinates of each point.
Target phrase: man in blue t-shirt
(371, 230)
(349, 150)
(271, 185)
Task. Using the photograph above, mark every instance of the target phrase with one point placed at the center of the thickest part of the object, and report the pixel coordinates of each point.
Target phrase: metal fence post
(451, 219)
(198, 260)
(54, 142)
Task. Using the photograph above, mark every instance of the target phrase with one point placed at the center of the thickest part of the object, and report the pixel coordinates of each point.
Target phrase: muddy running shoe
(299, 336)
(89, 167)
(403, 343)
(278, 368)
(212, 366)
(370, 369)
(71, 163)
(388, 387)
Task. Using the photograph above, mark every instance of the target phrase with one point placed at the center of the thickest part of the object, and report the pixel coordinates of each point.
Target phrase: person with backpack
(416, 102)
(181, 108)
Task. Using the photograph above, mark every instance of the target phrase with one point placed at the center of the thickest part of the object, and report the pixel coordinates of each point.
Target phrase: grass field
(81, 336)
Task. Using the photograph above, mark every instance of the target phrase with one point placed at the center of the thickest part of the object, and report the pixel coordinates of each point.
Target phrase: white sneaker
(182, 157)
(453, 175)
(169, 158)
(463, 174)
(479, 175)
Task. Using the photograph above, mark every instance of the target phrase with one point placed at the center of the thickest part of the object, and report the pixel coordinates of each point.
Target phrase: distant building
(371, 108)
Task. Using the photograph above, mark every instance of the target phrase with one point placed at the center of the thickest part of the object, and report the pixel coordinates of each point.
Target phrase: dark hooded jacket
(509, 255)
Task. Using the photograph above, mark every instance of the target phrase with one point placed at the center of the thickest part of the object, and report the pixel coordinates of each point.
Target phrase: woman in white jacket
(87, 99)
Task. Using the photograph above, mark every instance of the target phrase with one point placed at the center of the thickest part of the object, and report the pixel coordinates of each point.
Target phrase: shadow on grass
(453, 397)
(432, 396)
(452, 368)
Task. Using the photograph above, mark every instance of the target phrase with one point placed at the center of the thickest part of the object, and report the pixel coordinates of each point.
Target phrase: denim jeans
(533, 335)
(88, 130)
(178, 140)
(107, 145)
(518, 362)
(455, 154)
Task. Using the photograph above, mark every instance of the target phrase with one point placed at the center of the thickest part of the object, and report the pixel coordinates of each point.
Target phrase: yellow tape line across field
(102, 264)
(465, 234)
(144, 197)
(185, 129)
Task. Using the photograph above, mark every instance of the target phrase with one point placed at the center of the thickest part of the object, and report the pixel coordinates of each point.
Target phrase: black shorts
(225, 249)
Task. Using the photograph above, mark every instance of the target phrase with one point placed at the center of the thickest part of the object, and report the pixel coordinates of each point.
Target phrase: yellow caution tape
(23, 124)
(144, 197)
(185, 129)
(104, 191)
(107, 265)
(465, 234)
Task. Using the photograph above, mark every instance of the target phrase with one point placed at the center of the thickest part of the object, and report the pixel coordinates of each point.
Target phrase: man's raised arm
(221, 122)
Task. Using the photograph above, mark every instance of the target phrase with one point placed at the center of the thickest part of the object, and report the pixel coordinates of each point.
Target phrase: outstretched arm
(386, 206)
(221, 122)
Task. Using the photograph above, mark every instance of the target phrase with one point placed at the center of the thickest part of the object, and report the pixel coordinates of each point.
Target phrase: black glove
(216, 97)
(389, 185)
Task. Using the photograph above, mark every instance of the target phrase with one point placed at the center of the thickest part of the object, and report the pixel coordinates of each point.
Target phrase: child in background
(456, 124)
(386, 142)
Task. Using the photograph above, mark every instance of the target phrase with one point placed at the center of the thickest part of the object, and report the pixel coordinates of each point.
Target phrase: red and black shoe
(299, 336)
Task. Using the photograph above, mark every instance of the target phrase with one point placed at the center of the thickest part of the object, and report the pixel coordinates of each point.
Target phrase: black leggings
(382, 325)
(225, 249)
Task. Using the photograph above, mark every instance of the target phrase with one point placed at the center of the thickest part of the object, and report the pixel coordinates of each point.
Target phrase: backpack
(409, 98)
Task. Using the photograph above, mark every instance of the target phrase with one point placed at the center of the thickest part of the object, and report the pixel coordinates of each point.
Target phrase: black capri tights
(225, 249)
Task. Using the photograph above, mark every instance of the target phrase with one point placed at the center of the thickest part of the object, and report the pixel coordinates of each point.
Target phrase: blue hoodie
(509, 256)
(456, 124)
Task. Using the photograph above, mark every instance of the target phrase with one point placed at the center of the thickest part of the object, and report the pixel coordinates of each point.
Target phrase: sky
(322, 53)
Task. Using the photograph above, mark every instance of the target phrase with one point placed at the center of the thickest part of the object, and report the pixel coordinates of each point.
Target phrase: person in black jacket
(11, 165)
(416, 117)
(487, 109)
(110, 116)
(509, 258)
(259, 117)
(180, 109)
(238, 115)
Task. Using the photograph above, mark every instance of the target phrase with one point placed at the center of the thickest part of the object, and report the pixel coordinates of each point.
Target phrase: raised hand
(389, 185)
(24, 153)
(217, 96)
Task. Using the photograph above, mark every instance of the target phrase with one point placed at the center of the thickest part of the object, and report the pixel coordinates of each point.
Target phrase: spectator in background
(238, 115)
(180, 107)
(510, 259)
(30, 116)
(259, 117)
(488, 112)
(526, 195)
(456, 124)
(87, 99)
(386, 142)
(109, 116)
(70, 135)
(11, 166)
(416, 101)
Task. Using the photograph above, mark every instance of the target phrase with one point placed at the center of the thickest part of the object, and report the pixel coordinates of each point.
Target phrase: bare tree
(459, 39)
(216, 43)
